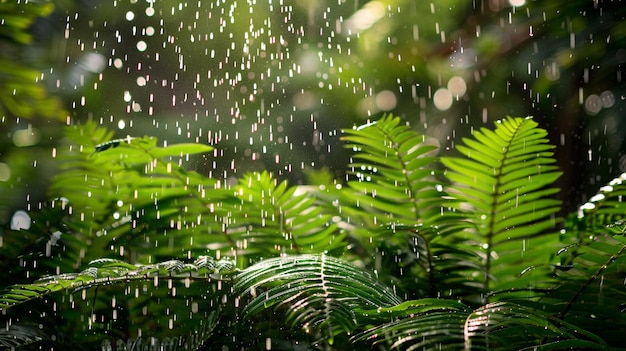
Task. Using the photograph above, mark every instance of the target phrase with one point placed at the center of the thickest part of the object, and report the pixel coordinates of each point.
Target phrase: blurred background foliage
(271, 83)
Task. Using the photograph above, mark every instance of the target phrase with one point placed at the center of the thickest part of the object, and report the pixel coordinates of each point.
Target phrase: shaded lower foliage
(133, 251)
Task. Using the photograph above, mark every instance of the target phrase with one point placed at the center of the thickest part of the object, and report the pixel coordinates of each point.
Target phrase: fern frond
(504, 178)
(82, 181)
(507, 326)
(113, 299)
(136, 195)
(14, 336)
(321, 292)
(399, 185)
(103, 272)
(440, 265)
(438, 323)
(278, 219)
(394, 170)
(425, 324)
(592, 283)
(603, 209)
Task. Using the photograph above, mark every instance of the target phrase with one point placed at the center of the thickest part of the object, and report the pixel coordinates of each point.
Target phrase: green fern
(591, 284)
(15, 336)
(602, 209)
(398, 185)
(104, 272)
(480, 229)
(84, 181)
(502, 183)
(320, 292)
(119, 299)
(417, 324)
(438, 323)
(394, 170)
(130, 189)
(280, 220)
(506, 326)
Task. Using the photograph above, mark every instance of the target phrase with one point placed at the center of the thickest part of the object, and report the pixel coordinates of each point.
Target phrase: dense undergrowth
(414, 250)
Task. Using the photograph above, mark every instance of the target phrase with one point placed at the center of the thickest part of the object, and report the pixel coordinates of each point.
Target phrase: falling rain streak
(269, 77)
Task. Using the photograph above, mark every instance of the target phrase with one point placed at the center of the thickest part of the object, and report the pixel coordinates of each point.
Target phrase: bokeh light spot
(20, 220)
(443, 99)
(142, 46)
(5, 172)
(457, 86)
(26, 137)
(593, 104)
(386, 100)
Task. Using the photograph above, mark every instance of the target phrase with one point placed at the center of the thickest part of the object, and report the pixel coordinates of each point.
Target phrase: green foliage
(21, 94)
(410, 253)
(286, 222)
(106, 271)
(398, 185)
(418, 324)
(394, 171)
(322, 292)
(592, 264)
(501, 185)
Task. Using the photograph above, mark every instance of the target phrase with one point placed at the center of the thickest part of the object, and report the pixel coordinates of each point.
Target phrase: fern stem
(405, 172)
(194, 194)
(491, 230)
(590, 280)
(412, 196)
(431, 268)
(98, 282)
(492, 220)
(285, 226)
